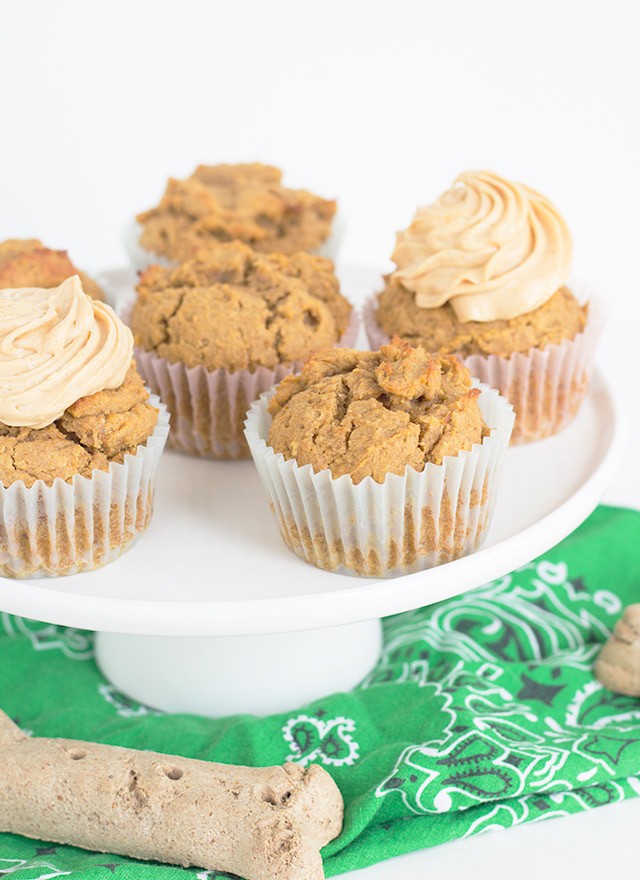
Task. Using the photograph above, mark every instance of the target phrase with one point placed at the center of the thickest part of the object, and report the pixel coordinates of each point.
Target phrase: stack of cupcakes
(387, 462)
(234, 301)
(375, 463)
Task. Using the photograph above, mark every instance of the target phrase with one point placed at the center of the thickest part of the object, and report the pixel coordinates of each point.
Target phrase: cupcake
(483, 273)
(28, 263)
(221, 203)
(380, 463)
(215, 332)
(80, 438)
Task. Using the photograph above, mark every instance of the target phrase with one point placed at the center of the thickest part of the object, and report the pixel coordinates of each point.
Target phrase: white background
(380, 105)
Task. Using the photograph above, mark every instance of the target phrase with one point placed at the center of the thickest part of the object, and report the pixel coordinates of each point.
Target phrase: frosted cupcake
(483, 272)
(215, 332)
(380, 463)
(80, 438)
(221, 203)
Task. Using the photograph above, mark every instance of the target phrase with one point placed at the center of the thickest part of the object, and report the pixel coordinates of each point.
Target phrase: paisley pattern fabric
(482, 713)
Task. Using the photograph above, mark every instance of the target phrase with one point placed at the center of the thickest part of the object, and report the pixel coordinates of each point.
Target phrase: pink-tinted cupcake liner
(208, 407)
(545, 386)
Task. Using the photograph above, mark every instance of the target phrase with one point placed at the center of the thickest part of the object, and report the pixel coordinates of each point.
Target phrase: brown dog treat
(262, 823)
(618, 663)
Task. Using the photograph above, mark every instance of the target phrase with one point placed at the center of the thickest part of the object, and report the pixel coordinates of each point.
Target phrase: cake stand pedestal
(229, 675)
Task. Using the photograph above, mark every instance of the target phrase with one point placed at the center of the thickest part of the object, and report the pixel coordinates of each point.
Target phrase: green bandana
(482, 712)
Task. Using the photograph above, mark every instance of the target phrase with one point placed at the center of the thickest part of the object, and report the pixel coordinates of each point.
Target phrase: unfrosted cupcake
(221, 203)
(80, 438)
(483, 272)
(380, 463)
(26, 262)
(215, 332)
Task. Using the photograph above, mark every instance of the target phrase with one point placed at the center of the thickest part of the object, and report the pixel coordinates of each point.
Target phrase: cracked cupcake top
(368, 413)
(28, 263)
(90, 434)
(246, 203)
(238, 309)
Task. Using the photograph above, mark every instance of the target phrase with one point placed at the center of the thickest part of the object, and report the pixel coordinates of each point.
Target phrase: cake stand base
(227, 675)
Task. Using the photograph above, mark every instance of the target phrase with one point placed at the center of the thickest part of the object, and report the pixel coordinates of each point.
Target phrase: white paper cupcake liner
(546, 386)
(406, 524)
(66, 528)
(141, 259)
(208, 407)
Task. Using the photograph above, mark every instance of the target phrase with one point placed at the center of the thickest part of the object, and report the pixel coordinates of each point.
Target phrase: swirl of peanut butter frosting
(57, 346)
(491, 248)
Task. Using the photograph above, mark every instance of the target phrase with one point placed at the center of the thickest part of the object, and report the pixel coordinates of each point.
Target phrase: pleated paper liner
(546, 386)
(141, 259)
(406, 524)
(208, 407)
(66, 528)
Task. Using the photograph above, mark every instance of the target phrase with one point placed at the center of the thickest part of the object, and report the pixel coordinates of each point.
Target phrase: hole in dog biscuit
(269, 796)
(77, 754)
(172, 772)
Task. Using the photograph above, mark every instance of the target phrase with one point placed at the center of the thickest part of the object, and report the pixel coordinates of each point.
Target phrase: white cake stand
(210, 613)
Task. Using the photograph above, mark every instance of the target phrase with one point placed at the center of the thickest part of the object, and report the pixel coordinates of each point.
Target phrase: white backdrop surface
(377, 104)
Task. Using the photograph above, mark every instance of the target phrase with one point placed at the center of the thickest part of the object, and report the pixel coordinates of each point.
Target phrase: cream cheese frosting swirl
(491, 248)
(56, 346)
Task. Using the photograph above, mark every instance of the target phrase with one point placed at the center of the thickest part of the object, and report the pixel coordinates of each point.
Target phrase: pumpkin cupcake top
(234, 308)
(219, 203)
(371, 413)
(28, 263)
(441, 331)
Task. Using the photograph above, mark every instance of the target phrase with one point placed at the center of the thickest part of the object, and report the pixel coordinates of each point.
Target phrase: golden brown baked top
(371, 413)
(93, 432)
(28, 263)
(235, 202)
(440, 331)
(238, 309)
